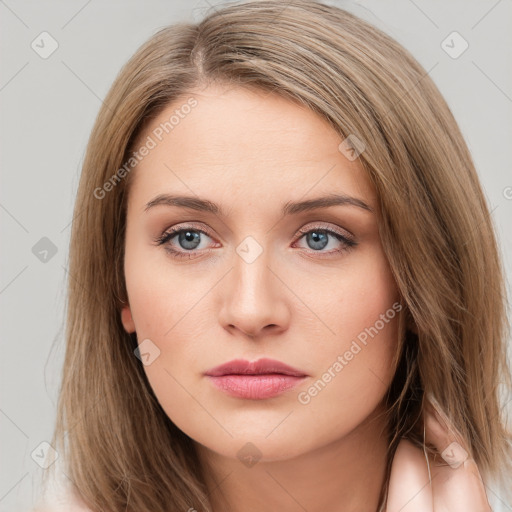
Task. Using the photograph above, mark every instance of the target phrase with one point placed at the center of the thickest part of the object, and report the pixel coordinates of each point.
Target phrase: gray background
(48, 107)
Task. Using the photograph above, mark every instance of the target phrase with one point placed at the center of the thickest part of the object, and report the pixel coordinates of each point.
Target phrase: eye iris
(318, 238)
(188, 237)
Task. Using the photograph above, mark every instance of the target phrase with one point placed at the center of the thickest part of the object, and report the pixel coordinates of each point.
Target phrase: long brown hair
(120, 449)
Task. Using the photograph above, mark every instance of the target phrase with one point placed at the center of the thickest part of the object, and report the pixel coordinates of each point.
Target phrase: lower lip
(255, 387)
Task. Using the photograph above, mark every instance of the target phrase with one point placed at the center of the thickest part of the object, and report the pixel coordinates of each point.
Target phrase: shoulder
(409, 460)
(65, 503)
(58, 496)
(407, 490)
(62, 507)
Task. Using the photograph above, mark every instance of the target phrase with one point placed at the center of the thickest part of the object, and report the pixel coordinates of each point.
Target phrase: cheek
(371, 313)
(167, 307)
(355, 364)
(158, 297)
(360, 303)
(164, 314)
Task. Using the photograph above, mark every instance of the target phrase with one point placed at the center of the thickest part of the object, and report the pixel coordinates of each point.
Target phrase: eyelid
(173, 230)
(342, 235)
(327, 227)
(303, 230)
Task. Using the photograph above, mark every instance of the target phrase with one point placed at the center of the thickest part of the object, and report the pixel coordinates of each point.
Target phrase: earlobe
(127, 320)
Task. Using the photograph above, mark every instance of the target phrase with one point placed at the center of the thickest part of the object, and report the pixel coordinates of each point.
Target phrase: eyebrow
(289, 208)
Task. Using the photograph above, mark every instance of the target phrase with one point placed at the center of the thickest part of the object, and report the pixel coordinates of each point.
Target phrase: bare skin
(411, 489)
(250, 153)
(454, 483)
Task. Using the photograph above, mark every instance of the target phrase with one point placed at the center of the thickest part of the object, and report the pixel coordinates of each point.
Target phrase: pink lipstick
(256, 380)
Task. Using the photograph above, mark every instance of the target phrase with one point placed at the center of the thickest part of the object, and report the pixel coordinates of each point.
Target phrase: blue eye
(189, 239)
(317, 239)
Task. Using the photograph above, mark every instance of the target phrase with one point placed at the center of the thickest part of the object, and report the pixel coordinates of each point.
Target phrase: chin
(251, 446)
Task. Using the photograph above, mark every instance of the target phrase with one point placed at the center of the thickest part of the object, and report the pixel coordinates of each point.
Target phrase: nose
(254, 300)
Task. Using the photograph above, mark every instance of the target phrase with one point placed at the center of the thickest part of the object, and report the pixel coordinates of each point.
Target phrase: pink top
(58, 497)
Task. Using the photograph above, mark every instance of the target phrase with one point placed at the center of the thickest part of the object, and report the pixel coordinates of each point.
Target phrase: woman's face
(267, 274)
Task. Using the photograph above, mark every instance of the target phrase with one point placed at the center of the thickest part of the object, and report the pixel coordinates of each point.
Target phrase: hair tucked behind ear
(122, 453)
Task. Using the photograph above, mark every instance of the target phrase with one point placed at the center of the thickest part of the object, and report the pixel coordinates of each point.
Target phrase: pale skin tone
(250, 153)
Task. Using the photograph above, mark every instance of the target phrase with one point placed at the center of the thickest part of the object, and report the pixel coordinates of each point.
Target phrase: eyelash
(166, 236)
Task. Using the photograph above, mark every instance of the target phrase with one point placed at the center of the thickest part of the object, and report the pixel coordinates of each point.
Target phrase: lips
(260, 367)
(259, 380)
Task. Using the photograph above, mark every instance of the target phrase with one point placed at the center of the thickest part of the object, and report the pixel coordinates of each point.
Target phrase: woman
(281, 264)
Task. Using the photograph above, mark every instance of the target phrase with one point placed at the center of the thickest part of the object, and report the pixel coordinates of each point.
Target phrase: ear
(127, 320)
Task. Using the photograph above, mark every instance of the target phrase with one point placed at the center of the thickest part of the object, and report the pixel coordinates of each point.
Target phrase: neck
(345, 475)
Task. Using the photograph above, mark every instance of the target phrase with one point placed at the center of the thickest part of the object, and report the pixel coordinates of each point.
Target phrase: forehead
(255, 143)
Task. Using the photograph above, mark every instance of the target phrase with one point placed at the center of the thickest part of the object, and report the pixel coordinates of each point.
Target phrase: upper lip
(259, 367)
